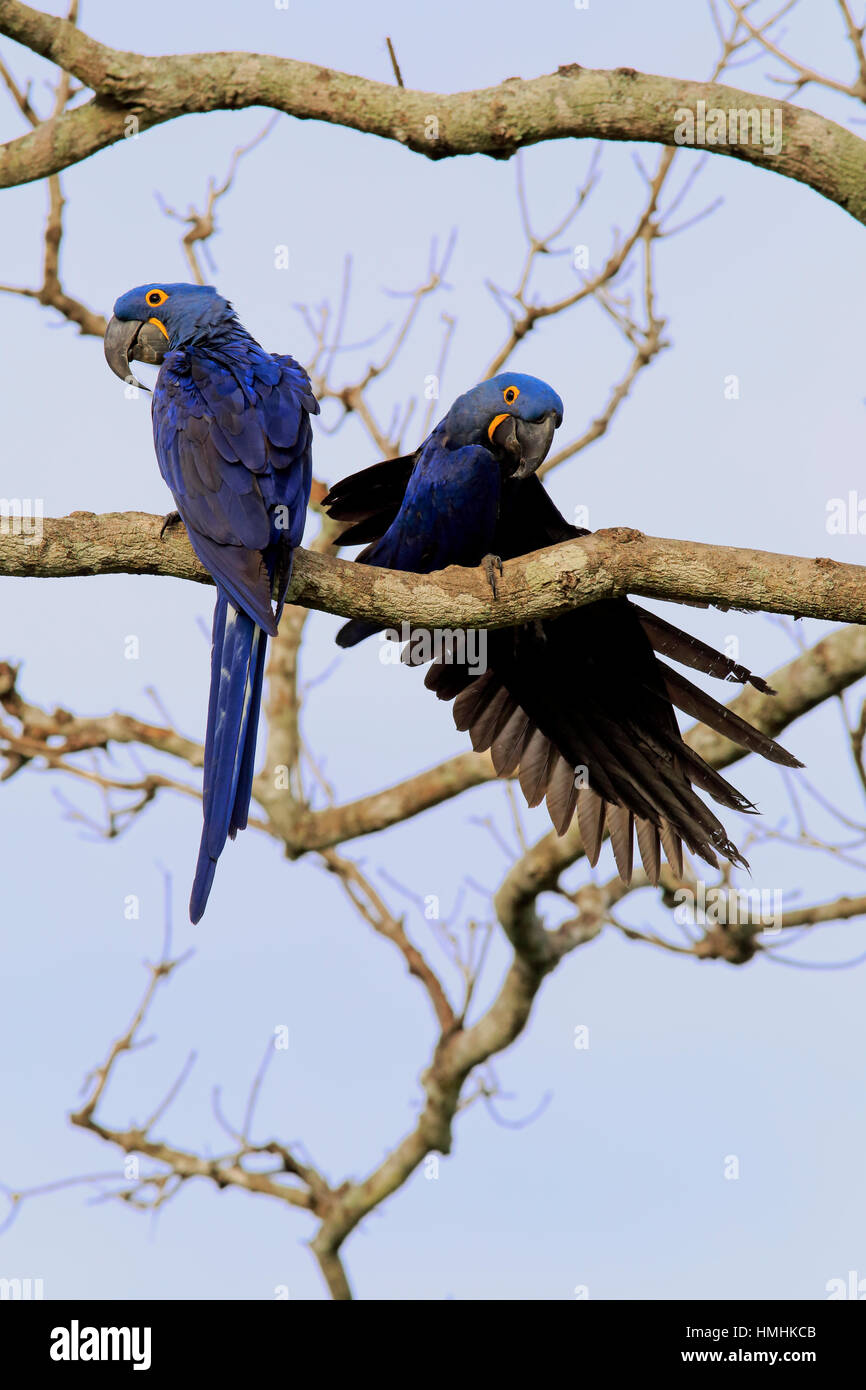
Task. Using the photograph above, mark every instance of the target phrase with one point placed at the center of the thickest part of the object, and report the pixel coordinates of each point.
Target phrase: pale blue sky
(619, 1184)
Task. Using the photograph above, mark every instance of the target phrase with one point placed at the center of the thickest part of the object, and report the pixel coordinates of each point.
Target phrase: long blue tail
(237, 671)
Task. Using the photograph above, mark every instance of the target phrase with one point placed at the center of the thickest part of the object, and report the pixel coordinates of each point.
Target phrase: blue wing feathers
(448, 517)
(233, 441)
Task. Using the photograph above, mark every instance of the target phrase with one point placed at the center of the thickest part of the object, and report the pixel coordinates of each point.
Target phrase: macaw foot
(173, 519)
(492, 566)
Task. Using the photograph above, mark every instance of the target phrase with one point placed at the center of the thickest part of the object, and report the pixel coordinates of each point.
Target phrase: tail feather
(645, 777)
(699, 705)
(231, 703)
(681, 646)
(650, 849)
(590, 818)
(237, 670)
(241, 808)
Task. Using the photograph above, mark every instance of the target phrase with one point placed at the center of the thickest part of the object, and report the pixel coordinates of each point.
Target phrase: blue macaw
(232, 432)
(578, 705)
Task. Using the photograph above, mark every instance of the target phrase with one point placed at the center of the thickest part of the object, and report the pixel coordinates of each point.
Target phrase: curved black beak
(131, 340)
(526, 442)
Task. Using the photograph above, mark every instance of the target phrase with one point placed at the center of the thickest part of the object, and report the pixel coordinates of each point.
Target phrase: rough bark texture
(575, 102)
(603, 565)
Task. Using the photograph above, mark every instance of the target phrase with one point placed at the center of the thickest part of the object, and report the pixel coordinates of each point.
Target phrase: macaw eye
(510, 394)
(155, 298)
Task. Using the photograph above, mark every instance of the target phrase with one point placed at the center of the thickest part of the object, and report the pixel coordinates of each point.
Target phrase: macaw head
(151, 320)
(513, 415)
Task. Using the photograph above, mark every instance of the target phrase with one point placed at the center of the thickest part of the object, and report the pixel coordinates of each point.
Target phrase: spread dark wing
(582, 709)
(370, 500)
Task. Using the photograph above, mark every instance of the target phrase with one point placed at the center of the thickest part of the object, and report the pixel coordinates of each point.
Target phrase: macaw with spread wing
(578, 705)
(232, 433)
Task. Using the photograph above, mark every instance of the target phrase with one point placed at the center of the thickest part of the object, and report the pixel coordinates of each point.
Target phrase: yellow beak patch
(494, 425)
(161, 326)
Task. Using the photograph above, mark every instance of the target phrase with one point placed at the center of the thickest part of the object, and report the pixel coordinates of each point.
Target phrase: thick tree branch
(134, 93)
(606, 564)
(305, 830)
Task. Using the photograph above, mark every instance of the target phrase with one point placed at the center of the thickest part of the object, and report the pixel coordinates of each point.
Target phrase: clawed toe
(172, 519)
(492, 565)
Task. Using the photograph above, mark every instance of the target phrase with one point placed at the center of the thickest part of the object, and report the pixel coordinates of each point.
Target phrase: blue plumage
(450, 509)
(577, 706)
(448, 517)
(232, 433)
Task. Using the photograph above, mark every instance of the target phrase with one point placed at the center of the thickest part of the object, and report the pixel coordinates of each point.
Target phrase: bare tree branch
(816, 675)
(134, 93)
(372, 907)
(459, 1048)
(51, 293)
(605, 564)
(803, 76)
(202, 225)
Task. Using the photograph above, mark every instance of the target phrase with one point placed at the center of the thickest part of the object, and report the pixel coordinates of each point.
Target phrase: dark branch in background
(30, 733)
(818, 674)
(460, 1049)
(202, 224)
(327, 330)
(801, 75)
(51, 293)
(398, 76)
(524, 309)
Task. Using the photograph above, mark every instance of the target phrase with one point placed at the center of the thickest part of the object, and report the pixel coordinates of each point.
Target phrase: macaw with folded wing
(232, 433)
(578, 705)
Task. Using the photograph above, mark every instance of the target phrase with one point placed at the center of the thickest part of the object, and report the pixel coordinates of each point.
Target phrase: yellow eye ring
(510, 394)
(155, 298)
